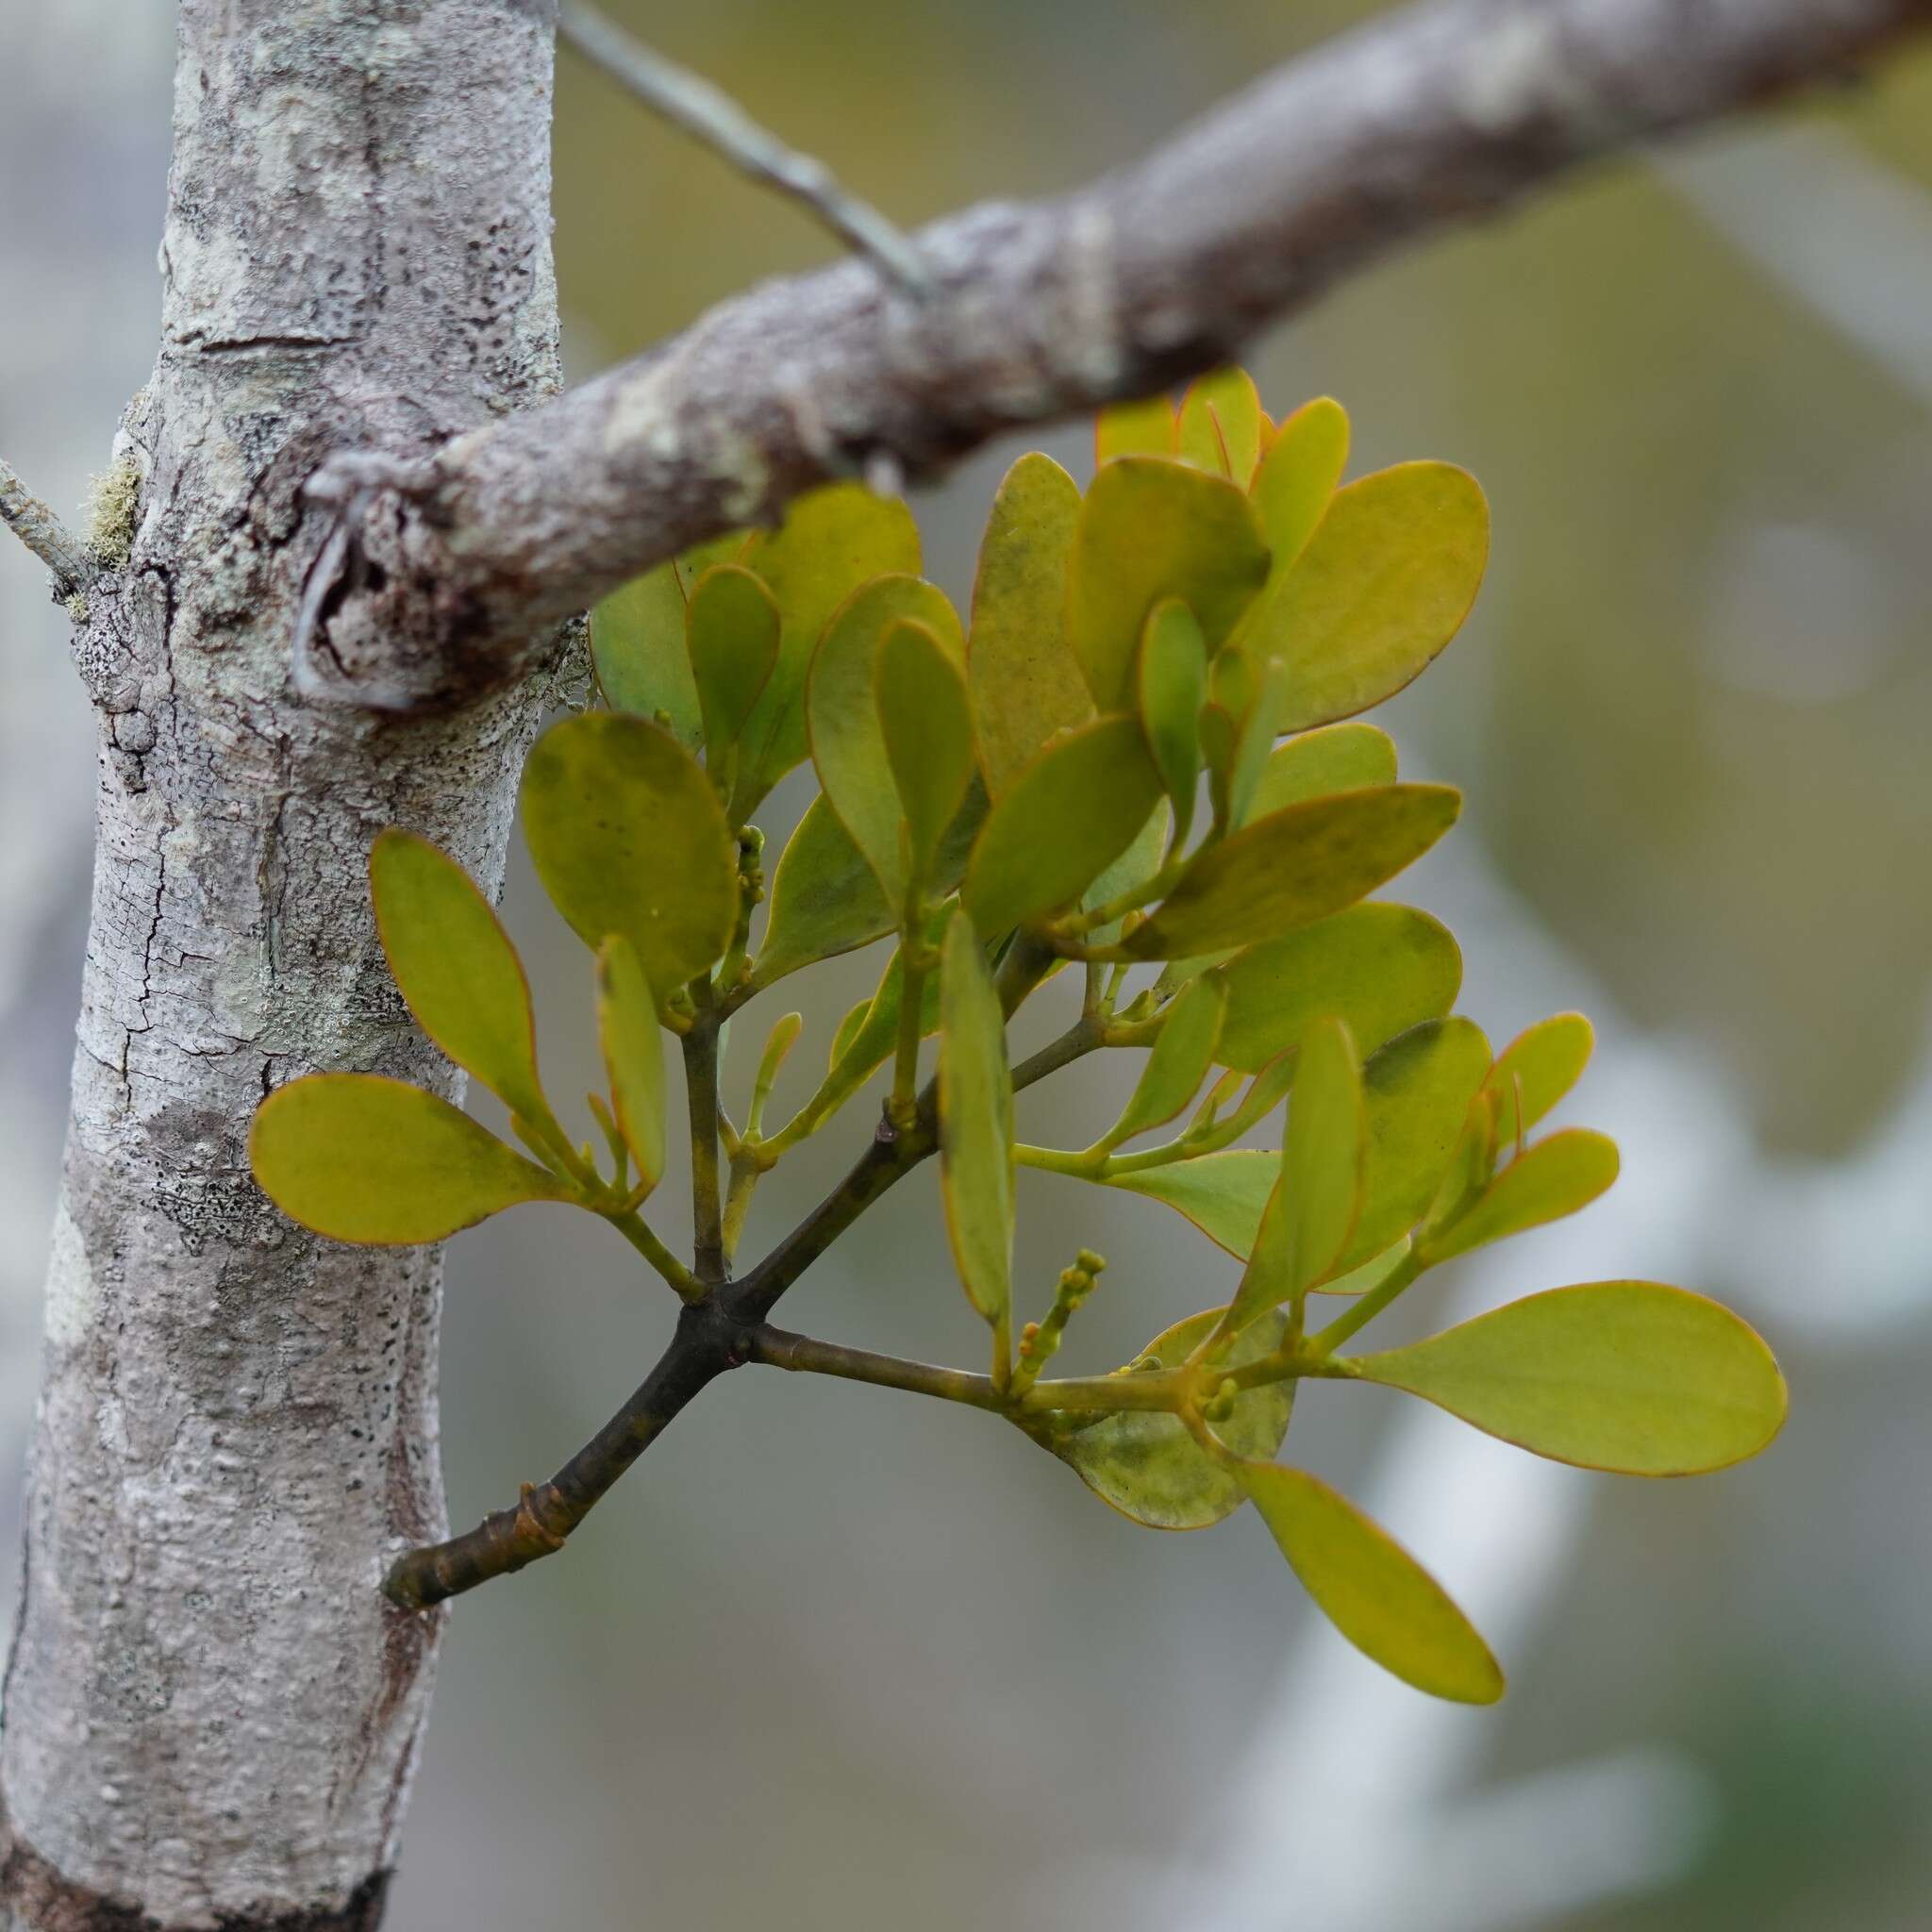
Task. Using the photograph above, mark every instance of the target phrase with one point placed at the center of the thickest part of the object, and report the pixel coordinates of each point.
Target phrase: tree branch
(690, 102)
(1417, 121)
(46, 536)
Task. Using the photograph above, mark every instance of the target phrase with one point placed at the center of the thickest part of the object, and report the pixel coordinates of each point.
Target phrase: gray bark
(210, 1713)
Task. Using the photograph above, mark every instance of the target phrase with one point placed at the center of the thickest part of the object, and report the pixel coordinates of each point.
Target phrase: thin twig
(46, 536)
(692, 102)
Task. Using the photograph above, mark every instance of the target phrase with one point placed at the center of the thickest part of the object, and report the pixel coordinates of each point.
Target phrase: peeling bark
(211, 1714)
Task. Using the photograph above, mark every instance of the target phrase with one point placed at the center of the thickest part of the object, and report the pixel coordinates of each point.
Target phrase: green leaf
(1293, 867)
(1222, 1195)
(1254, 744)
(1024, 680)
(1339, 758)
(361, 1158)
(1418, 1089)
(1296, 481)
(1078, 806)
(1555, 1177)
(1150, 529)
(628, 837)
(922, 716)
(1219, 424)
(852, 1025)
(1542, 1064)
(825, 899)
(1172, 682)
(633, 1054)
(1140, 428)
(975, 1122)
(1313, 1209)
(848, 744)
(1625, 1375)
(831, 542)
(870, 1033)
(1183, 1052)
(1145, 1464)
(1383, 584)
(1382, 968)
(1371, 1590)
(1370, 1274)
(728, 547)
(638, 645)
(732, 635)
(455, 965)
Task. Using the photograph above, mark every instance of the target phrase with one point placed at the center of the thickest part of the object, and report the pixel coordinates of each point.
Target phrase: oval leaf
(1294, 867)
(628, 837)
(1339, 757)
(1219, 427)
(1418, 1089)
(379, 1162)
(1172, 685)
(1024, 680)
(731, 632)
(831, 542)
(637, 643)
(1222, 1195)
(455, 965)
(1371, 1590)
(1146, 1465)
(1183, 1052)
(1296, 481)
(1078, 806)
(633, 1054)
(1540, 1065)
(921, 707)
(1625, 1375)
(1141, 428)
(975, 1122)
(1383, 584)
(1150, 529)
(1555, 1177)
(1382, 968)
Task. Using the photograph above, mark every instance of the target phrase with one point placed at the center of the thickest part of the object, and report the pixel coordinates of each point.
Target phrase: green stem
(1364, 1309)
(913, 969)
(639, 1233)
(701, 1088)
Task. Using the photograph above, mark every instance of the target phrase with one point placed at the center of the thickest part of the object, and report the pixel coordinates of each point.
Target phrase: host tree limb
(1419, 121)
(46, 535)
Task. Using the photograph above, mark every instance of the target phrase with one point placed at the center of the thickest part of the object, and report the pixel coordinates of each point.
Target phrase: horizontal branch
(46, 536)
(1422, 119)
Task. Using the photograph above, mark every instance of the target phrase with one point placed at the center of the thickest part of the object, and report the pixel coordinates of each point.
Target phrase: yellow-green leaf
(1149, 530)
(1074, 809)
(1293, 867)
(1172, 684)
(1129, 872)
(975, 1094)
(1146, 1465)
(1542, 1064)
(1382, 968)
(361, 1158)
(1316, 1202)
(1339, 757)
(1183, 1052)
(731, 632)
(1024, 680)
(1370, 1589)
(628, 837)
(1418, 1089)
(848, 745)
(1141, 428)
(1548, 1180)
(1254, 745)
(1626, 1375)
(455, 965)
(1382, 585)
(1222, 1195)
(1296, 481)
(1219, 424)
(921, 707)
(831, 542)
(633, 1054)
(638, 644)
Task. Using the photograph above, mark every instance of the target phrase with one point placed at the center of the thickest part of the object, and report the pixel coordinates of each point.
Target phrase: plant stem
(913, 969)
(701, 1088)
(640, 1235)
(1364, 1310)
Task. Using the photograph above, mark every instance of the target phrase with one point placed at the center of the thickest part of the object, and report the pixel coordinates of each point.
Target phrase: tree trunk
(211, 1715)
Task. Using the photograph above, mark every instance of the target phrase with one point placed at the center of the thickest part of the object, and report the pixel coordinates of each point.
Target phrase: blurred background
(836, 1657)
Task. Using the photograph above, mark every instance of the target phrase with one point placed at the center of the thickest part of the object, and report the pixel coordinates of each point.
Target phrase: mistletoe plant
(1127, 765)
